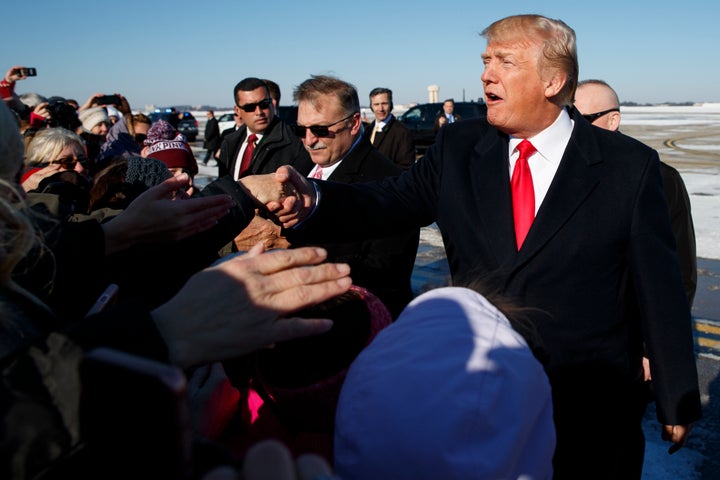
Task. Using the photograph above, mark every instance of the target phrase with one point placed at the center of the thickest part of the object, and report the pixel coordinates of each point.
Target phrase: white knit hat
(93, 116)
(448, 391)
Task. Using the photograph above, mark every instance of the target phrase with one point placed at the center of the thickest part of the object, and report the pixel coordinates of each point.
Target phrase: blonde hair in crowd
(48, 143)
(559, 45)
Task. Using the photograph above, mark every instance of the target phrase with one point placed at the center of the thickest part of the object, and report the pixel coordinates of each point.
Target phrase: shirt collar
(551, 142)
(328, 170)
(258, 135)
(381, 125)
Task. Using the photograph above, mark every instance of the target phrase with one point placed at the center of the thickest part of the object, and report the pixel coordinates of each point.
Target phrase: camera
(62, 114)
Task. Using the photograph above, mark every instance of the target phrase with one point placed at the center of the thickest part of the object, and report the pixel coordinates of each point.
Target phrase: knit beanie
(147, 171)
(160, 130)
(170, 147)
(93, 116)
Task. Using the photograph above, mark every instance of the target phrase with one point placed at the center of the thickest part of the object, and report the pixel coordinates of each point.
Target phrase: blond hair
(557, 38)
(48, 143)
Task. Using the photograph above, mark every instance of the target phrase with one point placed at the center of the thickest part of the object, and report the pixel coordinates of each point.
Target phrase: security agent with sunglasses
(274, 145)
(330, 128)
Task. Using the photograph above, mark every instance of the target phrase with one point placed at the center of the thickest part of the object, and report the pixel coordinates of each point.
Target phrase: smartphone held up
(26, 71)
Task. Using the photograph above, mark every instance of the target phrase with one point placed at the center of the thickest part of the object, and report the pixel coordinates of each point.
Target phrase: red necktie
(523, 193)
(318, 173)
(247, 154)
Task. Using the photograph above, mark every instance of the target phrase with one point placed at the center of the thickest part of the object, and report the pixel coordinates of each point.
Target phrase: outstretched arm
(236, 307)
(156, 217)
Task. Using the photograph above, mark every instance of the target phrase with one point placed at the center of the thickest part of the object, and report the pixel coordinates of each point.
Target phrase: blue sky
(179, 52)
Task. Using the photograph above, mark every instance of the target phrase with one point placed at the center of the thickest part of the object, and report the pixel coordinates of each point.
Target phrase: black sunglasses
(250, 107)
(319, 130)
(69, 162)
(591, 117)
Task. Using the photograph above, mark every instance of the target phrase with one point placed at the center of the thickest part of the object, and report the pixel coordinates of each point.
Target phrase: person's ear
(614, 121)
(555, 83)
(356, 124)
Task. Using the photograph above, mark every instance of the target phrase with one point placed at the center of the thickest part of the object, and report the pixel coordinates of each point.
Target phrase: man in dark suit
(598, 266)
(329, 126)
(274, 144)
(211, 138)
(386, 133)
(449, 111)
(229, 131)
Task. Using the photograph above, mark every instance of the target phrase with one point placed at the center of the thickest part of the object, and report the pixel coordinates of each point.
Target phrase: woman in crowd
(57, 148)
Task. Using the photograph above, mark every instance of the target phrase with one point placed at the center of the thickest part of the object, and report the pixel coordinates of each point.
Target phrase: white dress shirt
(550, 146)
(238, 159)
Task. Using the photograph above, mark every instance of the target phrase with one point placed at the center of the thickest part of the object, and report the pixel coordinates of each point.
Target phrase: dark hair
(109, 189)
(62, 114)
(379, 90)
(521, 318)
(318, 85)
(274, 90)
(248, 85)
(123, 180)
(304, 361)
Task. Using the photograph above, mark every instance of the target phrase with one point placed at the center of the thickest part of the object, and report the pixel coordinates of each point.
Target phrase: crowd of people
(278, 296)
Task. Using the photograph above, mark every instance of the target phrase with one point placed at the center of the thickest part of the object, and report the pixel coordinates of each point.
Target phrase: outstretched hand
(238, 306)
(158, 216)
(15, 73)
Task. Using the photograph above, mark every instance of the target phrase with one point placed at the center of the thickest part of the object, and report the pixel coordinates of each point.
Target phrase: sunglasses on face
(319, 131)
(591, 117)
(69, 162)
(250, 107)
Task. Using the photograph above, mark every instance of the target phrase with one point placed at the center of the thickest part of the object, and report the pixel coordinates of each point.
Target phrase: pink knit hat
(170, 147)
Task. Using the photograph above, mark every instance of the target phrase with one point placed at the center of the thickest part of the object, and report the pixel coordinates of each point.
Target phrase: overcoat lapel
(577, 176)
(488, 171)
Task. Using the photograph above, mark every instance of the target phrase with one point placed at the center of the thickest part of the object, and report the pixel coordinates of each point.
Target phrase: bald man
(598, 103)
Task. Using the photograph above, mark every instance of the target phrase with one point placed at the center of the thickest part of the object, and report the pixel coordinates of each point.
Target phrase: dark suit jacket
(682, 225)
(601, 243)
(384, 265)
(211, 138)
(395, 142)
(279, 146)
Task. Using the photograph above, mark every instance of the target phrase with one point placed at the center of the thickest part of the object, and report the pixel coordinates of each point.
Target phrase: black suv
(184, 122)
(420, 119)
